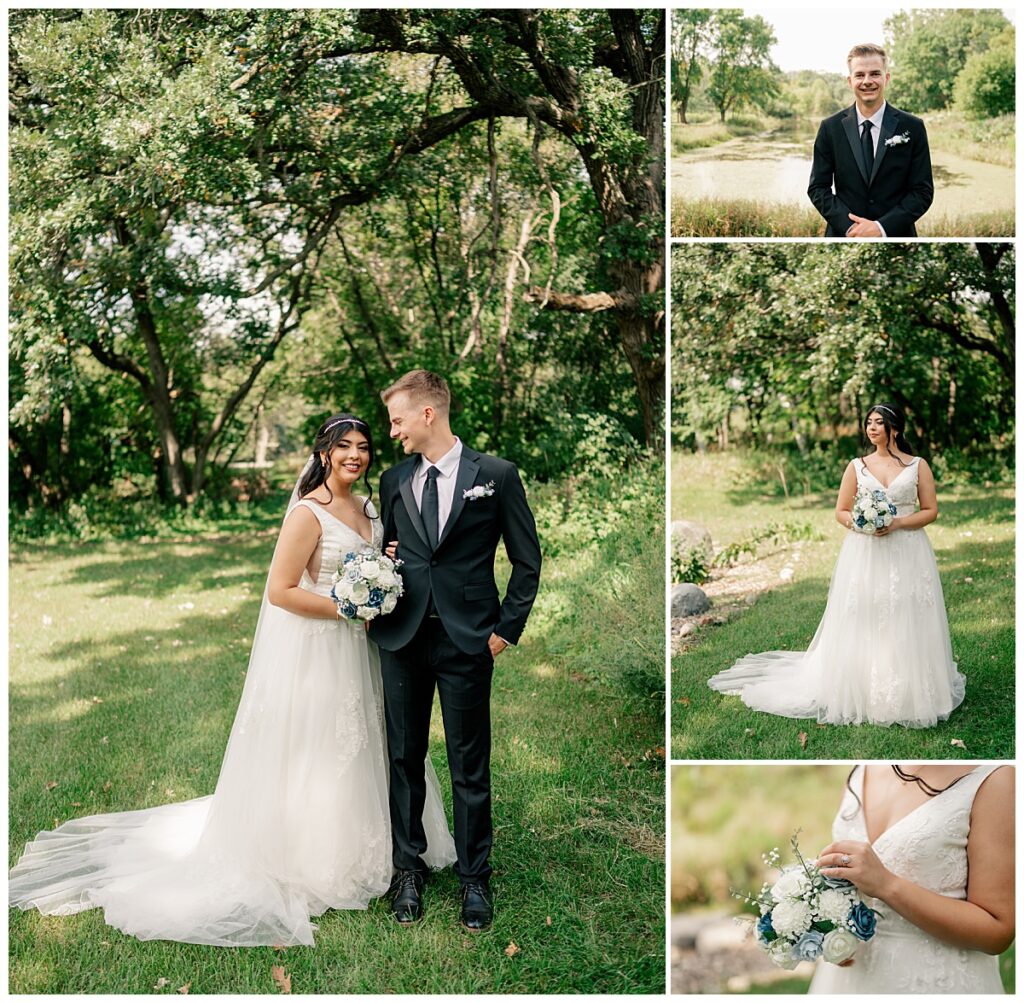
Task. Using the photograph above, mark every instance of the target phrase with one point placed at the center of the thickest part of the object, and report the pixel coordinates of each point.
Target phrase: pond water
(775, 167)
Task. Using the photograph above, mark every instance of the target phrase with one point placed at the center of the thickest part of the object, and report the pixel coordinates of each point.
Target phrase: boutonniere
(903, 137)
(480, 491)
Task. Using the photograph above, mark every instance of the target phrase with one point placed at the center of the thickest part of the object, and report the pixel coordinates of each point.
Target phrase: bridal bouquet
(366, 585)
(872, 510)
(805, 915)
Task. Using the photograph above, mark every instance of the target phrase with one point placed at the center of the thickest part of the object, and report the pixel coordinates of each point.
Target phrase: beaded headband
(341, 421)
(882, 407)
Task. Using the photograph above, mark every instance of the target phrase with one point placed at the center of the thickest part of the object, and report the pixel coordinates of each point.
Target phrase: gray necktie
(428, 506)
(867, 148)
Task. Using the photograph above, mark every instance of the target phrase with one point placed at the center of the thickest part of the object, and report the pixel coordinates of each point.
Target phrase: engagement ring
(844, 860)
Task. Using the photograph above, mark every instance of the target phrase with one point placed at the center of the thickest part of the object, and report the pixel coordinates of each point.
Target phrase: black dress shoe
(477, 908)
(406, 901)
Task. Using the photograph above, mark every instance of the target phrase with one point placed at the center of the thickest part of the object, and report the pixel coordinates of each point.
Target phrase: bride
(882, 653)
(934, 847)
(298, 822)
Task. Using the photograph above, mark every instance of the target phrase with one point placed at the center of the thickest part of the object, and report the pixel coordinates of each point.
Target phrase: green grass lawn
(973, 538)
(127, 661)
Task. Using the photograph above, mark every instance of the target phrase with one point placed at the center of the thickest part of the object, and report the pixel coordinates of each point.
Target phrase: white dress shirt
(876, 131)
(876, 125)
(448, 467)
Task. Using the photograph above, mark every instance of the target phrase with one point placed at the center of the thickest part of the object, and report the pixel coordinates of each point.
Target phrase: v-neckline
(902, 818)
(369, 542)
(885, 487)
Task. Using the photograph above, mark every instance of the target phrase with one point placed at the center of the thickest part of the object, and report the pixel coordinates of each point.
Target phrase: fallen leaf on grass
(958, 742)
(76, 804)
(107, 785)
(578, 677)
(161, 982)
(685, 701)
(803, 739)
(95, 700)
(547, 922)
(512, 949)
(184, 989)
(284, 982)
(50, 784)
(749, 732)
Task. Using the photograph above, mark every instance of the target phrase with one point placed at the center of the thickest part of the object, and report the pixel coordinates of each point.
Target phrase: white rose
(781, 953)
(369, 569)
(792, 884)
(390, 602)
(366, 612)
(387, 578)
(834, 906)
(887, 517)
(839, 946)
(343, 589)
(358, 593)
(791, 917)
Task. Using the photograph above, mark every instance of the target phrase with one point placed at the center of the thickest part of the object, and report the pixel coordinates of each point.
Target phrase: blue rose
(861, 921)
(808, 947)
(765, 930)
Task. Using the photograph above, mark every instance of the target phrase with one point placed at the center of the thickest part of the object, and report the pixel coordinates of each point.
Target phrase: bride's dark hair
(906, 778)
(330, 433)
(895, 422)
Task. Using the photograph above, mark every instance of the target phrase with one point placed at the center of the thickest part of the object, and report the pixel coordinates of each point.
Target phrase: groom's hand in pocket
(496, 645)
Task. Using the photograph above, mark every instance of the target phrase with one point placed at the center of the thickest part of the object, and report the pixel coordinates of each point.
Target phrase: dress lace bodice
(336, 540)
(928, 846)
(902, 489)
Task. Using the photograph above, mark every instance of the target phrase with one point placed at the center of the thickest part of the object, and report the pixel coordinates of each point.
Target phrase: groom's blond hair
(868, 49)
(423, 387)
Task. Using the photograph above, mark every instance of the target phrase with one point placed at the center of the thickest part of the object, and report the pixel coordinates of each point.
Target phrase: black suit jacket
(899, 189)
(460, 572)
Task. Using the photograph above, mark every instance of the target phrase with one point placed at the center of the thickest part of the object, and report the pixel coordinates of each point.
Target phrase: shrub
(985, 86)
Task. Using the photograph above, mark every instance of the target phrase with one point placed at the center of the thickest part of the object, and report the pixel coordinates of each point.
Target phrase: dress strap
(312, 506)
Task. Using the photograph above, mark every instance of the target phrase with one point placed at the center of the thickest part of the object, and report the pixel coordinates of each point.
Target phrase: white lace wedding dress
(298, 823)
(882, 652)
(928, 847)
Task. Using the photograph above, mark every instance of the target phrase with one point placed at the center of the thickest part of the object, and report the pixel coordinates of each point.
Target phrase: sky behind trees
(809, 41)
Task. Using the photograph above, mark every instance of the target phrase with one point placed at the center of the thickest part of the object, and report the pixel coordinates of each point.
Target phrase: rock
(688, 600)
(686, 927)
(689, 536)
(722, 935)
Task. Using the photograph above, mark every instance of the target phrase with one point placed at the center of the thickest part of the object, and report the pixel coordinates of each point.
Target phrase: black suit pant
(464, 689)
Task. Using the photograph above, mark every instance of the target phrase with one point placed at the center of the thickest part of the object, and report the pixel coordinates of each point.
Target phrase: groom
(447, 506)
(874, 156)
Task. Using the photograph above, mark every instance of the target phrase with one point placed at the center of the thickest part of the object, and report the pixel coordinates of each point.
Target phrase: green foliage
(215, 212)
(742, 72)
(986, 86)
(690, 564)
(789, 343)
(990, 140)
(691, 32)
(771, 534)
(929, 48)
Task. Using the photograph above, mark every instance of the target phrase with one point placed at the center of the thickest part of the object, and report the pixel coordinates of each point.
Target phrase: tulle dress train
(882, 652)
(298, 822)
